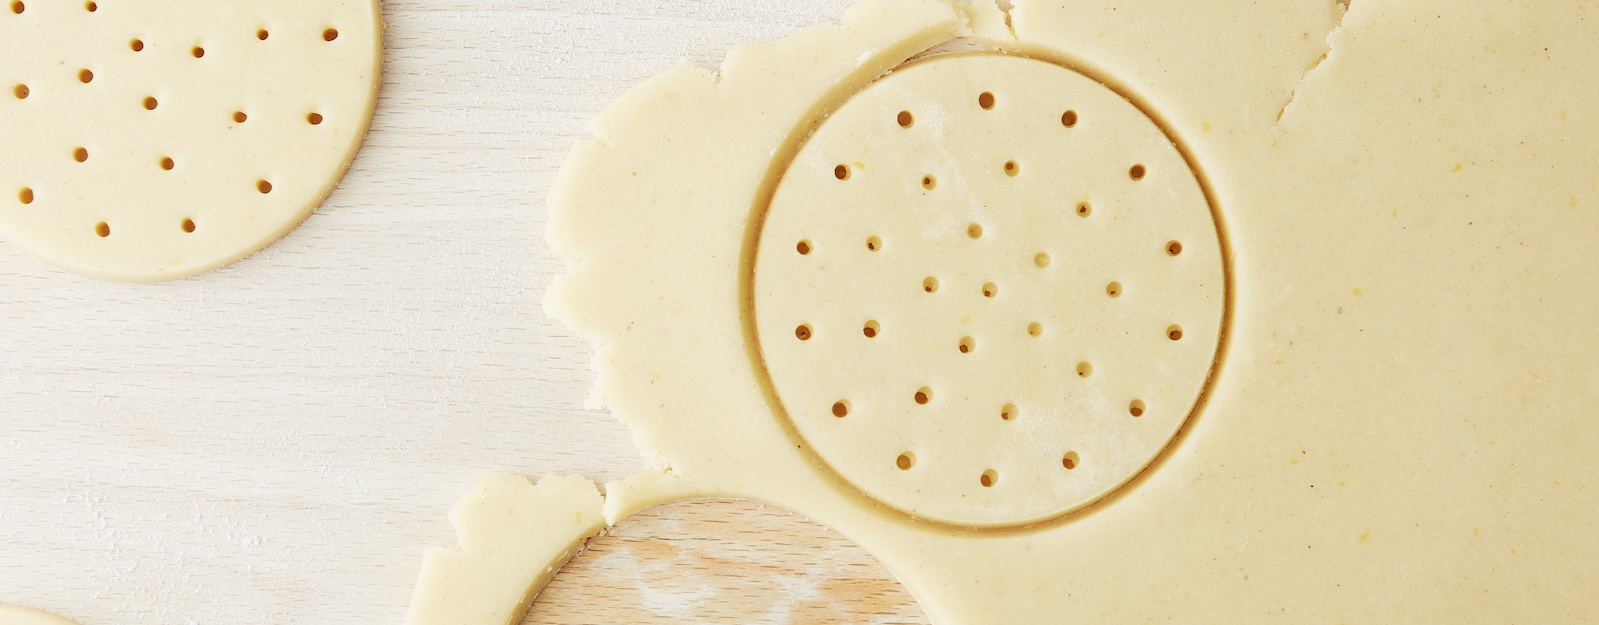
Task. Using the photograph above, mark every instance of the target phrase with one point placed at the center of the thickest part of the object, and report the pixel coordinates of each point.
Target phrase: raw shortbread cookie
(1396, 426)
(149, 140)
(988, 290)
(17, 615)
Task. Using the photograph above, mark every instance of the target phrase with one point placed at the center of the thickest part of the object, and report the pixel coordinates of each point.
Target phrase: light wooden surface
(278, 441)
(723, 562)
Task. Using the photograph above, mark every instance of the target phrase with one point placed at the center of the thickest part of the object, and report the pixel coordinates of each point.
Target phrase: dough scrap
(18, 615)
(512, 536)
(149, 141)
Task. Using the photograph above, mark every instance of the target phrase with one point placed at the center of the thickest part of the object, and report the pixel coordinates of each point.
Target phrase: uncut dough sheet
(1398, 422)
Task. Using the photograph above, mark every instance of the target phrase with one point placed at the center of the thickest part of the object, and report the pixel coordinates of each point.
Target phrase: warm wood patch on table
(721, 561)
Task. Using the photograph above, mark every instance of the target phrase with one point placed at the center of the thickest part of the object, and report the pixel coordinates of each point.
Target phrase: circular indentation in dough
(840, 409)
(974, 231)
(803, 332)
(1137, 172)
(315, 119)
(1064, 303)
(187, 225)
(167, 163)
(929, 182)
(1068, 119)
(25, 195)
(20, 92)
(803, 247)
(1136, 408)
(263, 187)
(871, 329)
(1174, 248)
(873, 244)
(989, 478)
(906, 119)
(131, 84)
(1174, 332)
(1011, 168)
(102, 229)
(905, 461)
(80, 154)
(18, 7)
(1071, 460)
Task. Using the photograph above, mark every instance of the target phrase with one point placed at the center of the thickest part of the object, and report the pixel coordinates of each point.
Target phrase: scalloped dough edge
(513, 536)
(872, 38)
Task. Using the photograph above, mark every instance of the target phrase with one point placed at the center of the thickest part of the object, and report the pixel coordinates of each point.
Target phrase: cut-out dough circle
(148, 141)
(931, 290)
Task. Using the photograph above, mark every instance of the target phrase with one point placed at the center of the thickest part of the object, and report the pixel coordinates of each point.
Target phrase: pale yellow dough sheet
(149, 140)
(1390, 419)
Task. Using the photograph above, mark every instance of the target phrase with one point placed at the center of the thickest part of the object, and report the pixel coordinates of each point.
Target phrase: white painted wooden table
(278, 441)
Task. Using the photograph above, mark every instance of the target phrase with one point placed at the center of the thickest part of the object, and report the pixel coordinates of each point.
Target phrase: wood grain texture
(723, 561)
(279, 440)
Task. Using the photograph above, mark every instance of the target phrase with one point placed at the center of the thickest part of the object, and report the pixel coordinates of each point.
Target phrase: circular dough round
(153, 140)
(989, 290)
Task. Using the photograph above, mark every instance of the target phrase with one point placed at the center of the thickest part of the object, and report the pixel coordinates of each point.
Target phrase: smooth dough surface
(988, 290)
(152, 140)
(1399, 428)
(18, 615)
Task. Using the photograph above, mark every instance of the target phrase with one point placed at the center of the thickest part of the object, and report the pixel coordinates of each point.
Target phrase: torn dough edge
(513, 536)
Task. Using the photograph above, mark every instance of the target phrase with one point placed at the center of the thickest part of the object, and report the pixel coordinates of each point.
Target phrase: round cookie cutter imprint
(988, 290)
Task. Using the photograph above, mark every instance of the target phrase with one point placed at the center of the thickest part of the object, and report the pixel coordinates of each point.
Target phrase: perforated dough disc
(989, 290)
(155, 139)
